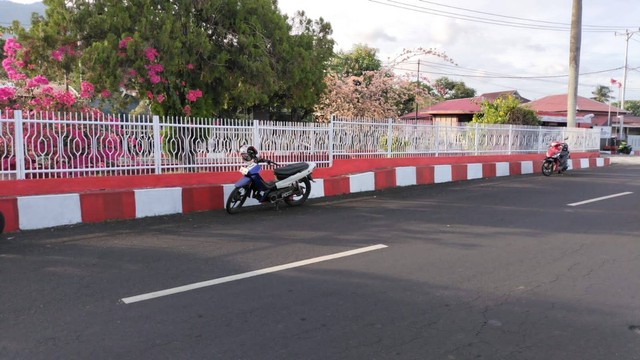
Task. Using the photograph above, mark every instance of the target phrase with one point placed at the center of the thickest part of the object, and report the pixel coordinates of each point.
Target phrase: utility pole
(627, 34)
(574, 61)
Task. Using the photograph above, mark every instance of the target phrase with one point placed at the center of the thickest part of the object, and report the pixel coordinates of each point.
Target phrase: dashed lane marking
(600, 199)
(198, 285)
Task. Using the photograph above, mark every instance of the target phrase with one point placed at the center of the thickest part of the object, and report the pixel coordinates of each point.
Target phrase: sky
(494, 46)
(504, 45)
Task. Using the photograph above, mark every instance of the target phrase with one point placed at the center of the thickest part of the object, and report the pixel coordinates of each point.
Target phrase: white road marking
(198, 285)
(600, 198)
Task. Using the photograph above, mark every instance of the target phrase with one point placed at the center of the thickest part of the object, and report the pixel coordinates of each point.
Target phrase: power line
(607, 28)
(529, 24)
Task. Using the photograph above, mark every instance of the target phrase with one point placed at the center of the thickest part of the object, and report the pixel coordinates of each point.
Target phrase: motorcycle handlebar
(269, 162)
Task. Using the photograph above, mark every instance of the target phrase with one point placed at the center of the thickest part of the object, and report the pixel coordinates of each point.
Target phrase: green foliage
(239, 53)
(301, 73)
(632, 106)
(357, 61)
(397, 144)
(505, 110)
(446, 89)
(602, 94)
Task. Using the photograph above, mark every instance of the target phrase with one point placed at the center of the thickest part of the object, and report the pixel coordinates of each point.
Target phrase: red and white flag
(615, 82)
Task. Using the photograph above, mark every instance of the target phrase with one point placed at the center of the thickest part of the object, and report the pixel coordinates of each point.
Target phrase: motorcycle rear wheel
(301, 193)
(547, 168)
(236, 199)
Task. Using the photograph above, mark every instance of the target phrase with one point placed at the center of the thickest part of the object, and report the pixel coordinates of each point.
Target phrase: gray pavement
(622, 159)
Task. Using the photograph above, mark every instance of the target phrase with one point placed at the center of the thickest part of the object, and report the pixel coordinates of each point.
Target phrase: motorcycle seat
(291, 169)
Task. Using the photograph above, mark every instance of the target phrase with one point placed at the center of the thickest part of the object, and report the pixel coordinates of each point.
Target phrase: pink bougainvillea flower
(150, 95)
(150, 53)
(123, 43)
(7, 93)
(65, 98)
(154, 78)
(48, 90)
(190, 66)
(105, 93)
(193, 95)
(160, 98)
(36, 81)
(7, 63)
(57, 55)
(87, 90)
(154, 68)
(187, 110)
(11, 47)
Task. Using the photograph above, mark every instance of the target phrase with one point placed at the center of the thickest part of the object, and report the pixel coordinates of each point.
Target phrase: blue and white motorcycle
(292, 185)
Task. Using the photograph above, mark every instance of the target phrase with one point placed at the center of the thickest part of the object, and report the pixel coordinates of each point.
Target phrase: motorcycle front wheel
(236, 199)
(547, 168)
(301, 193)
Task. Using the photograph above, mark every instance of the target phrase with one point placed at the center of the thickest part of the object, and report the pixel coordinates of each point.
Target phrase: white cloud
(515, 52)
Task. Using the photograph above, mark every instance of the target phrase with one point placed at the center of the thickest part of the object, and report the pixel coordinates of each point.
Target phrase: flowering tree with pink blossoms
(52, 145)
(374, 93)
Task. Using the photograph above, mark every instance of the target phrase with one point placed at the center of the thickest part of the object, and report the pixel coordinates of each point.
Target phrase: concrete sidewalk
(622, 159)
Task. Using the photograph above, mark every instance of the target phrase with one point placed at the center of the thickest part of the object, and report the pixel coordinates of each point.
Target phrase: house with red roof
(456, 111)
(553, 110)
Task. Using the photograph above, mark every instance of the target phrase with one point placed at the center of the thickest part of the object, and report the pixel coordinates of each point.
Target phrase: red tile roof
(456, 106)
(461, 106)
(558, 103)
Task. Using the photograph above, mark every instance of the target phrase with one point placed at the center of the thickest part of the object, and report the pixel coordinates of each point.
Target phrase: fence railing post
(510, 139)
(389, 135)
(477, 140)
(437, 139)
(331, 129)
(19, 145)
(157, 148)
(539, 148)
(256, 133)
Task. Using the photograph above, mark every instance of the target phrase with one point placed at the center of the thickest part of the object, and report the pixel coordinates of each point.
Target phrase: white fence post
(157, 148)
(331, 140)
(510, 139)
(19, 143)
(539, 149)
(437, 139)
(389, 135)
(256, 133)
(476, 137)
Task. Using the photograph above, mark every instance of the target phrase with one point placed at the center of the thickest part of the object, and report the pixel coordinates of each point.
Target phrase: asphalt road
(486, 269)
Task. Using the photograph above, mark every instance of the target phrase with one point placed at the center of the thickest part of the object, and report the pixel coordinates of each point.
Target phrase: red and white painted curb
(51, 210)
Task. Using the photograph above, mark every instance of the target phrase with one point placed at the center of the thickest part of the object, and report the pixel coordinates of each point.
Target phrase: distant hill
(10, 11)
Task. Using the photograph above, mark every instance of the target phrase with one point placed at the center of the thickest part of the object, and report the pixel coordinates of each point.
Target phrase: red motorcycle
(556, 159)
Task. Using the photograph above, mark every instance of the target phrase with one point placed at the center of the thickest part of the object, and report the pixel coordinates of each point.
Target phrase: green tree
(446, 89)
(505, 110)
(356, 62)
(234, 54)
(633, 106)
(303, 66)
(602, 94)
(52, 43)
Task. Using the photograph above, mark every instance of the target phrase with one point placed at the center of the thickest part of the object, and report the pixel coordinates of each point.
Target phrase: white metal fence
(75, 145)
(634, 141)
